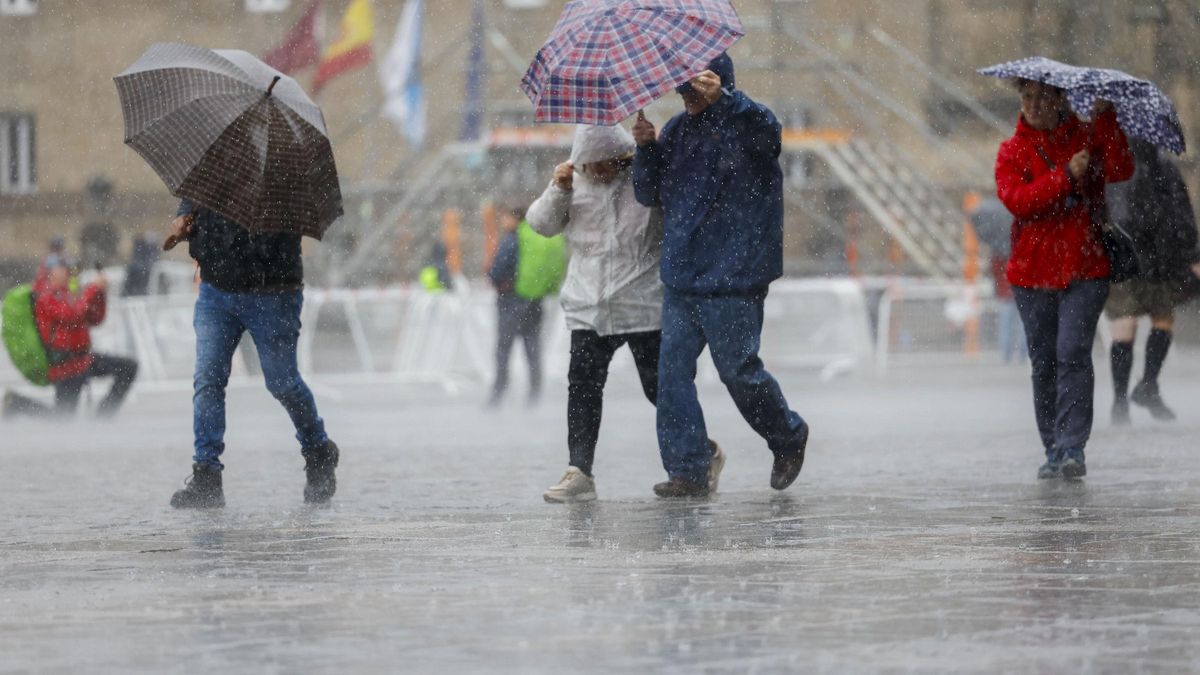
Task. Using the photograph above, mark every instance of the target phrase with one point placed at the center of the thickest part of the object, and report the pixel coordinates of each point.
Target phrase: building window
(266, 6)
(18, 168)
(18, 7)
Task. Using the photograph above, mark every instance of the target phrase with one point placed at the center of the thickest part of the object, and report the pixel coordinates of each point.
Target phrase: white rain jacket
(612, 283)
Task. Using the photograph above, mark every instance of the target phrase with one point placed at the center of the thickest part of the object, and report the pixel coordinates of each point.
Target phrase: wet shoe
(204, 490)
(1052, 469)
(1073, 466)
(319, 466)
(1120, 413)
(787, 465)
(575, 486)
(715, 464)
(679, 488)
(1147, 396)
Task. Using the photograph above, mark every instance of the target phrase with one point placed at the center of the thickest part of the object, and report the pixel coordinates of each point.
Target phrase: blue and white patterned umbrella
(1143, 111)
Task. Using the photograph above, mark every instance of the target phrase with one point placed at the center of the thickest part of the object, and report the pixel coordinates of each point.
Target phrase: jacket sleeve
(549, 214)
(762, 134)
(504, 267)
(649, 164)
(66, 311)
(1118, 158)
(1180, 208)
(1025, 199)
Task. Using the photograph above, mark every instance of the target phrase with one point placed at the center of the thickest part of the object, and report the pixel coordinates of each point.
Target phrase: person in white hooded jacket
(612, 294)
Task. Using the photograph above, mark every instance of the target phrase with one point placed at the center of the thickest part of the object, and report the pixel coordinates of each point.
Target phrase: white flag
(400, 73)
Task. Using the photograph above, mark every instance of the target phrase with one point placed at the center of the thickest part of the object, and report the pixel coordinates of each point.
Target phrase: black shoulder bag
(1122, 256)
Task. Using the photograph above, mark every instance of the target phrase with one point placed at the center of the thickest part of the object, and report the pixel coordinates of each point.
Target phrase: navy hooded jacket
(718, 179)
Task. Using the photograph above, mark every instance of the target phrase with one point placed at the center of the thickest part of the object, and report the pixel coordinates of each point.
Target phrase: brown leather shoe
(787, 465)
(679, 487)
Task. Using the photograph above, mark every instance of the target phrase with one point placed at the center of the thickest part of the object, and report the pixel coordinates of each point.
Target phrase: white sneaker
(575, 486)
(715, 465)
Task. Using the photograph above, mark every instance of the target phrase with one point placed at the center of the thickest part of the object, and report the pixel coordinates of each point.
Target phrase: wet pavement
(916, 540)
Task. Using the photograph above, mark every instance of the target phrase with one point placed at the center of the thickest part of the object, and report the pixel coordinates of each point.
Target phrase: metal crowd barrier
(407, 334)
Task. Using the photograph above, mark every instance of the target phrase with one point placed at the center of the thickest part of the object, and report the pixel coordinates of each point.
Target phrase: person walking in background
(993, 225)
(248, 283)
(64, 320)
(1051, 176)
(141, 264)
(526, 269)
(715, 172)
(612, 295)
(1155, 209)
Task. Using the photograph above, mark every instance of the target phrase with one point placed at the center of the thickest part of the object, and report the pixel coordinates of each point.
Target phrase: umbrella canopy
(1143, 111)
(229, 132)
(607, 59)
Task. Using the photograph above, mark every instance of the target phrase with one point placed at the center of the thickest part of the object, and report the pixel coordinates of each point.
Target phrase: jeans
(273, 321)
(1011, 336)
(731, 327)
(66, 392)
(590, 355)
(1060, 327)
(518, 317)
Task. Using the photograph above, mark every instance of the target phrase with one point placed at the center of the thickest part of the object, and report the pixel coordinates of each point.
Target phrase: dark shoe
(681, 487)
(1073, 466)
(787, 465)
(1052, 469)
(204, 490)
(1146, 395)
(1120, 412)
(319, 465)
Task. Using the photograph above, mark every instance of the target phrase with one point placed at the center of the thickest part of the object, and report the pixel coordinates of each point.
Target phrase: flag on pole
(400, 74)
(352, 49)
(301, 46)
(472, 121)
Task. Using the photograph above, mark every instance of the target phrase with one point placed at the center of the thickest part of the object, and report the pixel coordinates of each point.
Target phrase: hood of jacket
(599, 144)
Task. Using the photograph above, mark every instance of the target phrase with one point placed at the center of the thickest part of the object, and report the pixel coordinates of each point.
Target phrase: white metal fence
(830, 326)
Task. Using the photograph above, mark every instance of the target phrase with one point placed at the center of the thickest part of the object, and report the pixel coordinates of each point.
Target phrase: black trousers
(590, 355)
(66, 392)
(518, 317)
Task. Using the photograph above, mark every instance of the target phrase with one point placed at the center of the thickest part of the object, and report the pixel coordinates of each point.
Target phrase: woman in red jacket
(1051, 176)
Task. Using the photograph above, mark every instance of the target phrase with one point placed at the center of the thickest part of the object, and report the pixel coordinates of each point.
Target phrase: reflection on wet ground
(901, 549)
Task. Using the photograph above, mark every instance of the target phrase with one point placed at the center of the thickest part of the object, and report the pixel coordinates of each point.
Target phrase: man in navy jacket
(715, 172)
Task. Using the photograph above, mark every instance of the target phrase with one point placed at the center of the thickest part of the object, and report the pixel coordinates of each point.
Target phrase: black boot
(319, 465)
(204, 490)
(787, 465)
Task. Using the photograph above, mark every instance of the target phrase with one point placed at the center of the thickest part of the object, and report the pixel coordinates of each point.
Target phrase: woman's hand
(564, 176)
(181, 229)
(1079, 163)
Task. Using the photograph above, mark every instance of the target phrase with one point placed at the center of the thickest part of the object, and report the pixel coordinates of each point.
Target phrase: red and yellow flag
(352, 48)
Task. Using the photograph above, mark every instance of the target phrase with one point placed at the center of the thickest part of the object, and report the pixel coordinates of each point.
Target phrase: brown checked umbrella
(229, 132)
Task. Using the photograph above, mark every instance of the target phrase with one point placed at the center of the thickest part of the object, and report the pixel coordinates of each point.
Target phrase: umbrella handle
(273, 83)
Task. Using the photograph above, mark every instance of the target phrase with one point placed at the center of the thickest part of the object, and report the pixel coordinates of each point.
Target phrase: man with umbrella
(715, 172)
(247, 151)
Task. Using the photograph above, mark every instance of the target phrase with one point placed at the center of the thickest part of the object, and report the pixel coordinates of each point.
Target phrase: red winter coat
(1053, 239)
(63, 319)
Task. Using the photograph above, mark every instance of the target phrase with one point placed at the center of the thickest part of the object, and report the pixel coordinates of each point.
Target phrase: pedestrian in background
(526, 269)
(993, 224)
(64, 320)
(612, 295)
(715, 172)
(1155, 209)
(1051, 176)
(248, 283)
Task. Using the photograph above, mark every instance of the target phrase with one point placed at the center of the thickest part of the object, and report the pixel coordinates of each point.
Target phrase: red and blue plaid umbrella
(1143, 111)
(607, 59)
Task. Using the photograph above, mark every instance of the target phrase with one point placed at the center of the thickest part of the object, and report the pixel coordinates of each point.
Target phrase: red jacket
(1053, 239)
(63, 319)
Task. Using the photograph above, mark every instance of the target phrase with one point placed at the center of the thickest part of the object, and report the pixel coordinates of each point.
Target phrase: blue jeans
(1010, 334)
(273, 321)
(731, 327)
(1060, 327)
